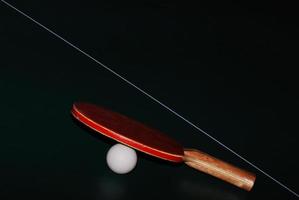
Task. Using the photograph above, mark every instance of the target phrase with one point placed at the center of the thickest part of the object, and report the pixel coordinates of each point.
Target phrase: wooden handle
(218, 168)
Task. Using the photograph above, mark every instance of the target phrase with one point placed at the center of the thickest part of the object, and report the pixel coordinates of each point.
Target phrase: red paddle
(155, 143)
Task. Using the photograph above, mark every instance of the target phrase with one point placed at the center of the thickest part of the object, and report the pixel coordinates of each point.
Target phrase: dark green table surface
(228, 68)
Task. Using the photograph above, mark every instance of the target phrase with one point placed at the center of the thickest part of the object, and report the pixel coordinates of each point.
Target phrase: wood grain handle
(218, 168)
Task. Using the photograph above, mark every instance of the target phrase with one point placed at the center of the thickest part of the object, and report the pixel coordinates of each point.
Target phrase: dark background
(229, 68)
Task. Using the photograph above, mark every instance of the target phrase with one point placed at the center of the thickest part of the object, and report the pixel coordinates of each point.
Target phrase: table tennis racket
(153, 142)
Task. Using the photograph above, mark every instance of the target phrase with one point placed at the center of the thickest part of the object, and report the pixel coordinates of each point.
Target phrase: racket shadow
(95, 135)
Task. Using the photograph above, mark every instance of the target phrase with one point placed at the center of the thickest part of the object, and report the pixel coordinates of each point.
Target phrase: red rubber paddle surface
(128, 131)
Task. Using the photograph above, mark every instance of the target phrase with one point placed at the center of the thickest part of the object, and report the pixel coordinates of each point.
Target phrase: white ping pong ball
(121, 159)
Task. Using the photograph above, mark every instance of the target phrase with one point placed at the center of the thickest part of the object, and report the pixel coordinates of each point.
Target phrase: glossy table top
(230, 71)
